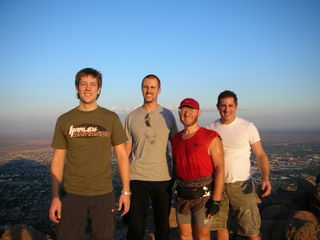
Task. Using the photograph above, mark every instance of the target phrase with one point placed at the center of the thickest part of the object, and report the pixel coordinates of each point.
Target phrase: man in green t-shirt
(82, 144)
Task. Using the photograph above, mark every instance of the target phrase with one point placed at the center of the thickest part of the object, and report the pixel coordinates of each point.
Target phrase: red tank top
(192, 155)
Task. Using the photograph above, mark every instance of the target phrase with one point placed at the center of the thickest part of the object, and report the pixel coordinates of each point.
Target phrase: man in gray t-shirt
(149, 128)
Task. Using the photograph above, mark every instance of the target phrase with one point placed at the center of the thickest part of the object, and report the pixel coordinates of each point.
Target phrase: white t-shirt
(236, 138)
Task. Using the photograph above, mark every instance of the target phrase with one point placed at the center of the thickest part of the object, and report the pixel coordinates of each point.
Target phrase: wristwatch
(126, 193)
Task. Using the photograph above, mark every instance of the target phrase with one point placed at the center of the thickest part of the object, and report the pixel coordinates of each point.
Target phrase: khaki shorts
(240, 196)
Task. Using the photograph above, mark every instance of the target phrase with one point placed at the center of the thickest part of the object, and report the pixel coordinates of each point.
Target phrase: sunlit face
(150, 90)
(88, 89)
(189, 116)
(227, 109)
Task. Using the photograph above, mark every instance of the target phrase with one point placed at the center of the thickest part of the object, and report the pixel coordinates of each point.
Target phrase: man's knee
(185, 234)
(223, 234)
(203, 233)
(255, 237)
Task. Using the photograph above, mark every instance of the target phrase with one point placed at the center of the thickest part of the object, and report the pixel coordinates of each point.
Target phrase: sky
(267, 52)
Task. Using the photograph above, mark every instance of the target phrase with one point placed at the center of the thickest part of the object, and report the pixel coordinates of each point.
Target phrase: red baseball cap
(189, 102)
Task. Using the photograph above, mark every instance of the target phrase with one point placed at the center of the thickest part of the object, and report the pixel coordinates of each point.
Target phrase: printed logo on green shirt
(88, 130)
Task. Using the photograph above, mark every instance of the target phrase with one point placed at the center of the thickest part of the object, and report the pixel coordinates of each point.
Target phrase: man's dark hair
(88, 72)
(151, 76)
(226, 94)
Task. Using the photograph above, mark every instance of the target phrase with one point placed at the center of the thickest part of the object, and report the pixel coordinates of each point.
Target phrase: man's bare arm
(217, 156)
(56, 170)
(264, 167)
(124, 171)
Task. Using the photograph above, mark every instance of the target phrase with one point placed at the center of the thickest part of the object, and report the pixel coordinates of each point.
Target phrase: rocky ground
(288, 214)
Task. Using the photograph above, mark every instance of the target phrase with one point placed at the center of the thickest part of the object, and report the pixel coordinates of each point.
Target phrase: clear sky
(268, 52)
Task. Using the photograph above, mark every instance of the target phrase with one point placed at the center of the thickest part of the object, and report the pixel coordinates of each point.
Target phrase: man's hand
(55, 210)
(124, 203)
(266, 188)
(213, 207)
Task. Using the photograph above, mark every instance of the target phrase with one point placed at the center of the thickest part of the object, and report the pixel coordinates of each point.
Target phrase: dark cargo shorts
(240, 196)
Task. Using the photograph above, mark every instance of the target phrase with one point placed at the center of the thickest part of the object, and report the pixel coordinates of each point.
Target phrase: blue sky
(268, 52)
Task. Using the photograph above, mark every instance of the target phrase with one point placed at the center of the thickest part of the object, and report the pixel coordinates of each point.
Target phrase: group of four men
(211, 166)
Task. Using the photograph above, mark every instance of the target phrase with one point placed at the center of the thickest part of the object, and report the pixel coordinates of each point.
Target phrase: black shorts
(75, 211)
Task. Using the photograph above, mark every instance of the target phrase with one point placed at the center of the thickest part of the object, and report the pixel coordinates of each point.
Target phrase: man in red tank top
(199, 165)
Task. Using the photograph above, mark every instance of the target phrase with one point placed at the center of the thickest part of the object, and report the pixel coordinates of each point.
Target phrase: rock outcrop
(292, 214)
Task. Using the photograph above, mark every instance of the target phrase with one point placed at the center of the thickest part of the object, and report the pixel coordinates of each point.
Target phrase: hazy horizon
(46, 129)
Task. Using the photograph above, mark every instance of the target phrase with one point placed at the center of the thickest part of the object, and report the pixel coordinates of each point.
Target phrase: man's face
(88, 89)
(188, 116)
(227, 109)
(150, 90)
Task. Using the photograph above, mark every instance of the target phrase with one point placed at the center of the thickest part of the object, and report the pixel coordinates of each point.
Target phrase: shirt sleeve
(59, 140)
(174, 128)
(118, 133)
(127, 130)
(210, 126)
(253, 134)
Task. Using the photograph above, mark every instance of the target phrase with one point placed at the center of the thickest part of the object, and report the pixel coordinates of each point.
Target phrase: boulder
(267, 228)
(275, 212)
(302, 225)
(277, 231)
(304, 193)
(23, 232)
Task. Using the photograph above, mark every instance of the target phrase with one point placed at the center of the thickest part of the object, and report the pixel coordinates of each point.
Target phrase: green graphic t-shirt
(88, 138)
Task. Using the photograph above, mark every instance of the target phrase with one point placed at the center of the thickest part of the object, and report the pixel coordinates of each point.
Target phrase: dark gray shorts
(240, 196)
(198, 218)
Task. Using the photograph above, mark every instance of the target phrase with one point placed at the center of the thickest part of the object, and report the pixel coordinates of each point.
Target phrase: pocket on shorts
(249, 221)
(247, 187)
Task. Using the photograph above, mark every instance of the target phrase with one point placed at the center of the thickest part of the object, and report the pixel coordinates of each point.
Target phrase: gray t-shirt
(149, 133)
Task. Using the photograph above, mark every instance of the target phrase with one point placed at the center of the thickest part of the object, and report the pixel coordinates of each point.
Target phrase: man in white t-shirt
(239, 137)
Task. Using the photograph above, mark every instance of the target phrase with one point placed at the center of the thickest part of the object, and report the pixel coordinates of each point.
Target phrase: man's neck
(87, 107)
(188, 132)
(149, 107)
(226, 122)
